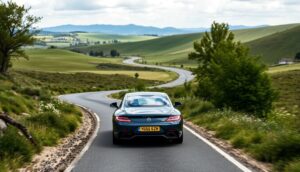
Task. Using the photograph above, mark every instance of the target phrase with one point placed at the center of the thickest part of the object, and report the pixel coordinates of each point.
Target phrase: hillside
(174, 49)
(277, 46)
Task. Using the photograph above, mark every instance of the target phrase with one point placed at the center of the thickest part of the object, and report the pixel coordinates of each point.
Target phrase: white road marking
(220, 151)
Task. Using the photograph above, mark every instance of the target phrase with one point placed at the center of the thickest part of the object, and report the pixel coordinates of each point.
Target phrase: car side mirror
(114, 105)
(176, 104)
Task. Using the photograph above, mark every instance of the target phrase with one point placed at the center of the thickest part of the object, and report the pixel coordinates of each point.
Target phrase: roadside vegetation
(24, 103)
(46, 118)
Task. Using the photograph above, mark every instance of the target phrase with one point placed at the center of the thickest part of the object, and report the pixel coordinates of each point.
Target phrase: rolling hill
(174, 49)
(277, 46)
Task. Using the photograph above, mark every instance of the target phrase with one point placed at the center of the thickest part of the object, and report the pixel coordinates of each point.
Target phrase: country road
(145, 156)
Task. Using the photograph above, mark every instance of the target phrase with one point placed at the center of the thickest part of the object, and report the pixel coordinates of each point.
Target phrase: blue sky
(162, 13)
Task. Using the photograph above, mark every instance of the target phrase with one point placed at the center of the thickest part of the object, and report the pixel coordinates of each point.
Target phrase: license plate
(149, 129)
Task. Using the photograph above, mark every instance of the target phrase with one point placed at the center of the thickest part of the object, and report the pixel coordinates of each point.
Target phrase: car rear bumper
(130, 131)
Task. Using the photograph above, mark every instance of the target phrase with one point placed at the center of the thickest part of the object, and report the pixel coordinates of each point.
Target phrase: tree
(136, 75)
(16, 30)
(228, 76)
(99, 53)
(114, 53)
(297, 56)
(91, 53)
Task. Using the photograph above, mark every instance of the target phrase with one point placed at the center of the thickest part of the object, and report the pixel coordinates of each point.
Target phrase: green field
(58, 60)
(175, 49)
(284, 68)
(65, 40)
(94, 37)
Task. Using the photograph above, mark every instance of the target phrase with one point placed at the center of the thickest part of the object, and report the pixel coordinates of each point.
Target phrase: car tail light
(122, 119)
(174, 118)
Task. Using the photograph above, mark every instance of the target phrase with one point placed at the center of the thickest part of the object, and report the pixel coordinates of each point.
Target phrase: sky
(164, 13)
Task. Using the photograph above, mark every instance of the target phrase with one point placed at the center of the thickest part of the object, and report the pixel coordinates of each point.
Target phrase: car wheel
(179, 140)
(115, 140)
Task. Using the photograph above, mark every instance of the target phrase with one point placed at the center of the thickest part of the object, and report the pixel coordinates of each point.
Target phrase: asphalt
(150, 155)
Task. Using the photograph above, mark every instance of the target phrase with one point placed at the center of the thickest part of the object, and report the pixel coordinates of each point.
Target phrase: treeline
(100, 53)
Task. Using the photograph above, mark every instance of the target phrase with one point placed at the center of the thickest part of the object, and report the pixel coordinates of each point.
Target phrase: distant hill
(116, 29)
(131, 29)
(175, 49)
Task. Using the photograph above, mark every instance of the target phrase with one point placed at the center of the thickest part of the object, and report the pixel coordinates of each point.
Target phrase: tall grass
(47, 119)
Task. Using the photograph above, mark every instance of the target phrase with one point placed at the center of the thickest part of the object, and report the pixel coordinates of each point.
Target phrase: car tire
(179, 140)
(116, 141)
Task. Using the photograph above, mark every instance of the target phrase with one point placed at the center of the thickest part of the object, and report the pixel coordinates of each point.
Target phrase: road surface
(151, 155)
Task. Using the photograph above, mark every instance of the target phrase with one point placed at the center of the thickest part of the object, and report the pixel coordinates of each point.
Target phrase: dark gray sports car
(146, 114)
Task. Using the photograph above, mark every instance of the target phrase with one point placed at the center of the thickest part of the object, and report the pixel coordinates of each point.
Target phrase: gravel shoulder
(59, 157)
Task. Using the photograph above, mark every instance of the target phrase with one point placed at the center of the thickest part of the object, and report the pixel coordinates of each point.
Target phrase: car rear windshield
(147, 101)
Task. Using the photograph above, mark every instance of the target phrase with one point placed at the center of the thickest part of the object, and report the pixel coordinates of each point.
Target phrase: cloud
(77, 5)
(178, 13)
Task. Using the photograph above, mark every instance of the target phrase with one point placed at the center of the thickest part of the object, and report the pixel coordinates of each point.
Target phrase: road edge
(236, 156)
(90, 141)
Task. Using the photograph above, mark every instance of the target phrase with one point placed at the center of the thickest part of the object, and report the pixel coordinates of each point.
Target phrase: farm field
(77, 38)
(58, 60)
(94, 37)
(284, 68)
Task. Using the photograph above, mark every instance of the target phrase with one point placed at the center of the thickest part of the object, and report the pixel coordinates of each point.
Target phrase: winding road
(194, 155)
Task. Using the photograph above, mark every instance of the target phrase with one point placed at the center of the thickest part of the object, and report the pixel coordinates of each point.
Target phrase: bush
(294, 166)
(201, 107)
(14, 104)
(281, 147)
(140, 86)
(13, 145)
(62, 124)
(30, 91)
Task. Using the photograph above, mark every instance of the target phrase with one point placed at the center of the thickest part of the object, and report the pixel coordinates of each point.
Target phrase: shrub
(30, 91)
(62, 124)
(14, 145)
(281, 147)
(293, 166)
(140, 86)
(202, 107)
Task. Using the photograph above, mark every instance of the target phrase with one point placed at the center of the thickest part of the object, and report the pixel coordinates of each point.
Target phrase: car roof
(146, 93)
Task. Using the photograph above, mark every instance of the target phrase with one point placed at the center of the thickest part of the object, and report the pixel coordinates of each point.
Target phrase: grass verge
(46, 118)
